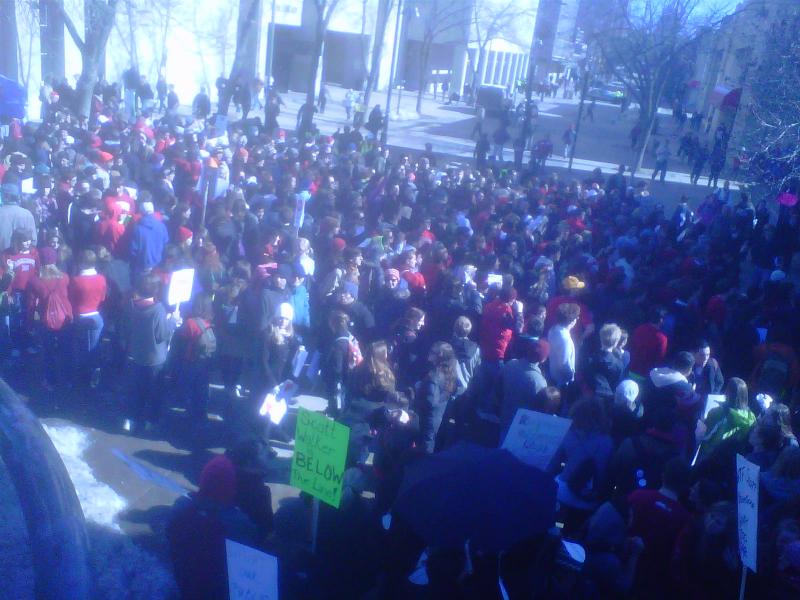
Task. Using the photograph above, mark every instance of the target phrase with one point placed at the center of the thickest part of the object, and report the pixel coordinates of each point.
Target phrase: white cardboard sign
(747, 510)
(180, 286)
(252, 575)
(535, 437)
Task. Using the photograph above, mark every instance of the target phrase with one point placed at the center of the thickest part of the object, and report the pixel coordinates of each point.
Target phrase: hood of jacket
(665, 376)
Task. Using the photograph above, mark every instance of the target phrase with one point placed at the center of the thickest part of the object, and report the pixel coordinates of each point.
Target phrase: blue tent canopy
(12, 99)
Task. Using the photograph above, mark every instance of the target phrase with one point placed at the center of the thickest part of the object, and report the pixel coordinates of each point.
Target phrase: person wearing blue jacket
(150, 237)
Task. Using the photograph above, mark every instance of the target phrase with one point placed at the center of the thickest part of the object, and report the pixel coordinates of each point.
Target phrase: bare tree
(323, 11)
(99, 18)
(385, 8)
(29, 12)
(491, 20)
(654, 43)
(247, 30)
(439, 17)
(9, 39)
(774, 119)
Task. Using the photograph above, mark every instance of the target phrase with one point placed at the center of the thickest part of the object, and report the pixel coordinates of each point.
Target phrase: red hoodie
(497, 328)
(648, 347)
(23, 265)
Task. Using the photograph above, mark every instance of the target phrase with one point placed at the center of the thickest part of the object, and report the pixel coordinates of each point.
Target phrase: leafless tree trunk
(248, 29)
(384, 9)
(99, 18)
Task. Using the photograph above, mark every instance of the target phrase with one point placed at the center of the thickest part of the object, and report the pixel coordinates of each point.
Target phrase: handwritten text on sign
(747, 510)
(320, 452)
(252, 575)
(535, 437)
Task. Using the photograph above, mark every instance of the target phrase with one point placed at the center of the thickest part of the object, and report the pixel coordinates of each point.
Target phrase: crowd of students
(438, 299)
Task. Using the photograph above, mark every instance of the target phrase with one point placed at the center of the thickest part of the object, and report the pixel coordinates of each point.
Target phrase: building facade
(727, 59)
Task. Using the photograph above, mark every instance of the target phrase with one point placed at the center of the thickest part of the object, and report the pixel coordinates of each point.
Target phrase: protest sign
(713, 401)
(747, 510)
(320, 451)
(180, 286)
(252, 575)
(535, 437)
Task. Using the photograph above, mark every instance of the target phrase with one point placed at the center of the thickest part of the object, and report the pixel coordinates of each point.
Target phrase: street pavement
(602, 141)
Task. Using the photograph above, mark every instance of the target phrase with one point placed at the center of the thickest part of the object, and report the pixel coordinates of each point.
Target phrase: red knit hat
(218, 480)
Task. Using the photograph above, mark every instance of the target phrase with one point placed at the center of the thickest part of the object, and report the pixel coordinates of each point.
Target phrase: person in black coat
(706, 374)
(340, 356)
(605, 368)
(434, 393)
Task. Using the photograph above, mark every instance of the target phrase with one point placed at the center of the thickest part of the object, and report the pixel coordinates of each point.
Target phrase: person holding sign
(145, 332)
(198, 527)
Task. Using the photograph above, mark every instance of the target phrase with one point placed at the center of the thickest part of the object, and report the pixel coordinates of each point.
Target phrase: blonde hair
(50, 272)
(462, 327)
(610, 334)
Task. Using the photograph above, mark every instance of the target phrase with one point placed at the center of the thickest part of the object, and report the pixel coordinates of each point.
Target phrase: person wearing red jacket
(48, 299)
(21, 260)
(110, 231)
(119, 199)
(87, 292)
(648, 345)
(499, 321)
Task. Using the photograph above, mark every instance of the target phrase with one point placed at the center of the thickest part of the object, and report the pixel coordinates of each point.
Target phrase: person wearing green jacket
(731, 421)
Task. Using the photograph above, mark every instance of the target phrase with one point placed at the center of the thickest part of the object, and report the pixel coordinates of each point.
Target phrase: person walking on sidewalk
(662, 158)
(569, 139)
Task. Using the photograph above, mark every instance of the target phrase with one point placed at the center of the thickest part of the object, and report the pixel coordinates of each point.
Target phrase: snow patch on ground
(121, 570)
(99, 502)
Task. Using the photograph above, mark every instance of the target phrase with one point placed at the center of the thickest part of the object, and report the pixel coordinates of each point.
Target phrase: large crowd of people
(434, 301)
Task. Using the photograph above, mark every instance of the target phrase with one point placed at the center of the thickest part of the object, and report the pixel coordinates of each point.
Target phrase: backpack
(57, 312)
(774, 375)
(354, 356)
(207, 342)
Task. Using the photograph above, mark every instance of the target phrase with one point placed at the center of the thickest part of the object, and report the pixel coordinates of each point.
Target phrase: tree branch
(70, 25)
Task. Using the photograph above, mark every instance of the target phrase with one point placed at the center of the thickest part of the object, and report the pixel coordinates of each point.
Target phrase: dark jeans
(18, 331)
(193, 380)
(231, 367)
(146, 387)
(54, 352)
(86, 333)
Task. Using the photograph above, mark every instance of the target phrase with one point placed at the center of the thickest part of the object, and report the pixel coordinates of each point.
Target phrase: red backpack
(354, 356)
(57, 312)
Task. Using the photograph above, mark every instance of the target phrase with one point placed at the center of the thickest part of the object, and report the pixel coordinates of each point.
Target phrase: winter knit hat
(218, 481)
(626, 393)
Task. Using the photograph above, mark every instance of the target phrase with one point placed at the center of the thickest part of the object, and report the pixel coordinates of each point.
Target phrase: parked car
(606, 93)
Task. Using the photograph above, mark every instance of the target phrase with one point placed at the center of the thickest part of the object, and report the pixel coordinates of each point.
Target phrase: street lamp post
(584, 86)
(392, 73)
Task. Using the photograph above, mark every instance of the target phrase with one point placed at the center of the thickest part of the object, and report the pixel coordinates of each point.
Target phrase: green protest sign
(320, 452)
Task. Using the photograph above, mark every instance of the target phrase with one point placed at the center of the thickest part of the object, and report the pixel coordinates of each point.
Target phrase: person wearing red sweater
(48, 298)
(87, 291)
(118, 200)
(109, 231)
(21, 261)
(648, 345)
(498, 323)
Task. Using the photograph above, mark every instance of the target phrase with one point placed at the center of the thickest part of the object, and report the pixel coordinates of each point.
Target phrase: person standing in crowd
(435, 392)
(48, 299)
(562, 348)
(87, 293)
(148, 240)
(146, 332)
(522, 378)
(201, 105)
(662, 159)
